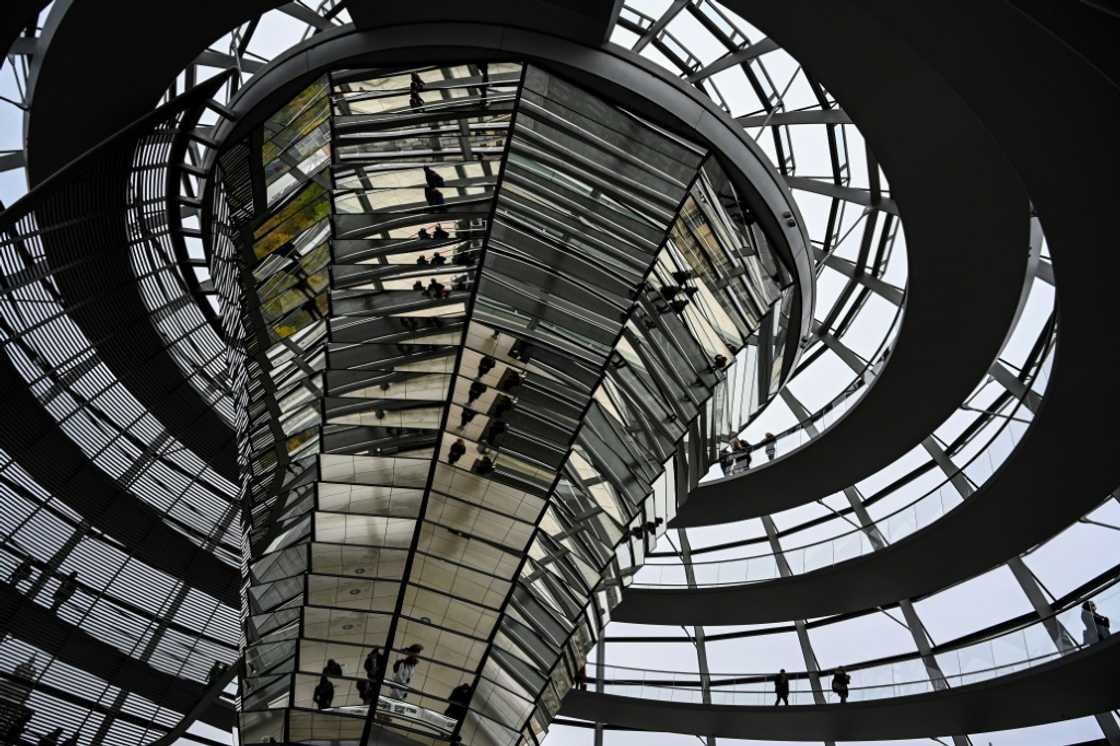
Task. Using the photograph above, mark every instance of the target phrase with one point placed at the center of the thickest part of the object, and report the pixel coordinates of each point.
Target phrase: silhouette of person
(324, 693)
(65, 590)
(840, 682)
(781, 688)
(456, 451)
(485, 365)
(22, 572)
(431, 178)
(457, 702)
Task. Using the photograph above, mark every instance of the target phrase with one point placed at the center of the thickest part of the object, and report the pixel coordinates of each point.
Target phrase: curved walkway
(859, 43)
(1065, 464)
(966, 220)
(912, 146)
(90, 263)
(31, 436)
(1043, 487)
(113, 316)
(136, 62)
(1005, 647)
(41, 628)
(1080, 684)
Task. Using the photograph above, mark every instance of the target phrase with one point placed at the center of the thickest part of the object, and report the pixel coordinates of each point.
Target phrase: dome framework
(121, 458)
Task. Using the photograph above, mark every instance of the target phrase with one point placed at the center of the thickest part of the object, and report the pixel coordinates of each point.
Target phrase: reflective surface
(474, 368)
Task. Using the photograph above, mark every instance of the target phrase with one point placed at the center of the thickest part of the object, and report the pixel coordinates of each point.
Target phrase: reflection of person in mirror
(403, 669)
(485, 365)
(415, 85)
(456, 451)
(457, 702)
(324, 693)
(431, 178)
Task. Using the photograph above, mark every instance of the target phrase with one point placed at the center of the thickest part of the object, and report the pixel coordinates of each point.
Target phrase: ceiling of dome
(919, 502)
